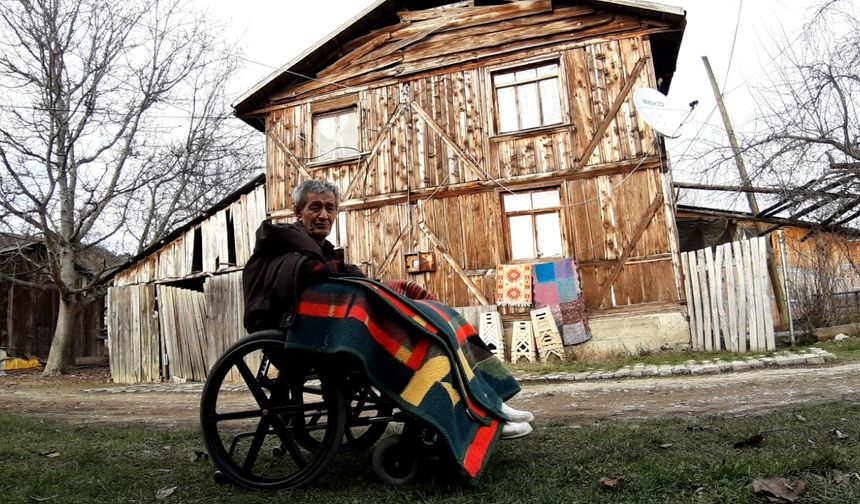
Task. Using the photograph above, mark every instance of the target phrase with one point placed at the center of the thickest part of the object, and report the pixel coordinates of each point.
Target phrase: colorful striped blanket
(421, 354)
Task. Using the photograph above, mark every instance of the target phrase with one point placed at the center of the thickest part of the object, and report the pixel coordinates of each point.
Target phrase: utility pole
(778, 290)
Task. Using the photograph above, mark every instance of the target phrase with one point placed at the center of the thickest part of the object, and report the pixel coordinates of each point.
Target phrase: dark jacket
(286, 259)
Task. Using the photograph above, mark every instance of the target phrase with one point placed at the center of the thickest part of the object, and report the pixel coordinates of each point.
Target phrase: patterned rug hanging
(556, 287)
(514, 284)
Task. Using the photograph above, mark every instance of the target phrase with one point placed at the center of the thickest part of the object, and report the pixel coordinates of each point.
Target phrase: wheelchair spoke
(294, 450)
(256, 444)
(253, 385)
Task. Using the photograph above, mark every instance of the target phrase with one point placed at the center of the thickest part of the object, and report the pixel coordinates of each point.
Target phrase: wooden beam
(290, 157)
(389, 258)
(628, 249)
(610, 115)
(451, 262)
(448, 141)
(520, 180)
(402, 44)
(376, 144)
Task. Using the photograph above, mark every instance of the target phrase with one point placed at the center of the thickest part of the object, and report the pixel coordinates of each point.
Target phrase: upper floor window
(335, 134)
(534, 224)
(527, 97)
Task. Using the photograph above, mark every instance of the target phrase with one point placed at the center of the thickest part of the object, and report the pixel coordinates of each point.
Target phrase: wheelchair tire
(394, 463)
(251, 415)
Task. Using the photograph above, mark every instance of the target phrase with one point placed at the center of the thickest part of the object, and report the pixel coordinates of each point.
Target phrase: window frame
(506, 215)
(354, 150)
(561, 86)
(330, 106)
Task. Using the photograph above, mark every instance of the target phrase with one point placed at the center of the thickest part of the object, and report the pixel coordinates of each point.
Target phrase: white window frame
(339, 150)
(534, 213)
(517, 85)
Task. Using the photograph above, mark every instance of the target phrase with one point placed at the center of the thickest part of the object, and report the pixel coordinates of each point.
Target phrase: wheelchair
(274, 418)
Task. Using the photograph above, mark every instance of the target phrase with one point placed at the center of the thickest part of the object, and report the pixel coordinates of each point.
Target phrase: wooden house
(28, 314)
(482, 133)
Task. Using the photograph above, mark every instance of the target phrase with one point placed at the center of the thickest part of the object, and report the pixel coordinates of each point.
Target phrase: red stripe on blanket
(462, 333)
(409, 312)
(322, 309)
(418, 354)
(477, 451)
(381, 337)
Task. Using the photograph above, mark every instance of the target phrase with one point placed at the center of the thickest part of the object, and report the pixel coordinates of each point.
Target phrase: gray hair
(300, 193)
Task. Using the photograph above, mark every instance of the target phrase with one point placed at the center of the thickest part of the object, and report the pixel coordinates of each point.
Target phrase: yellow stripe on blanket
(455, 396)
(465, 363)
(425, 377)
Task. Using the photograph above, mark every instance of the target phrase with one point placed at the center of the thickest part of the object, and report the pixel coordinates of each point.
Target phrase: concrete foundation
(628, 334)
(633, 334)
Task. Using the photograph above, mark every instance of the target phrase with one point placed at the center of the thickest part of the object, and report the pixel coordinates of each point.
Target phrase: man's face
(318, 214)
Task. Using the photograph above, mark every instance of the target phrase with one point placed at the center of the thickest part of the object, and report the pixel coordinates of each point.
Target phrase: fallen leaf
(756, 440)
(800, 417)
(50, 453)
(666, 445)
(165, 492)
(839, 434)
(841, 478)
(611, 483)
(41, 499)
(779, 489)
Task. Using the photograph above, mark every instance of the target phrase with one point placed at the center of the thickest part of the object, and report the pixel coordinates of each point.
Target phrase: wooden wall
(28, 318)
(429, 137)
(175, 260)
(168, 319)
(459, 103)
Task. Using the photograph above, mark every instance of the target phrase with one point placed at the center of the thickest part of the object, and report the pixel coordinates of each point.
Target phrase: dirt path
(88, 396)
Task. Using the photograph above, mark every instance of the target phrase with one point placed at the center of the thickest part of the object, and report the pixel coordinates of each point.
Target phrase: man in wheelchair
(415, 349)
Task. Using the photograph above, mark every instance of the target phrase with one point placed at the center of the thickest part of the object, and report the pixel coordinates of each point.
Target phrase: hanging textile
(557, 287)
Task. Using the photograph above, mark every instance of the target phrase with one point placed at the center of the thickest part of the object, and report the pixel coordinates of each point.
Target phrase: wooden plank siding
(443, 155)
(174, 261)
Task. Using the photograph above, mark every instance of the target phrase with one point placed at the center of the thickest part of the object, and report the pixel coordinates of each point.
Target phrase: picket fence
(728, 297)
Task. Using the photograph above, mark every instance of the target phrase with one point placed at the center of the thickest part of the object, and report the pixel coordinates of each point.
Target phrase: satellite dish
(659, 112)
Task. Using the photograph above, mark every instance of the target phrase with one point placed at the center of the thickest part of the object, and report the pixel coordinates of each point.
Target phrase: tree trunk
(60, 358)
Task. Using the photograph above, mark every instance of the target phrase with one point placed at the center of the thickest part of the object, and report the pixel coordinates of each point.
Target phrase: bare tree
(808, 127)
(113, 128)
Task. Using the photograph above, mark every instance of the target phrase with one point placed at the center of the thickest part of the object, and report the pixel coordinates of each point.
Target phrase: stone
(840, 337)
(740, 366)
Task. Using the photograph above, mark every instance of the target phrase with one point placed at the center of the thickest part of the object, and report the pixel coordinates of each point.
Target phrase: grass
(658, 461)
(846, 351)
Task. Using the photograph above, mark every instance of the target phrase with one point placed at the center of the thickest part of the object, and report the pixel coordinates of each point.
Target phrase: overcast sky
(273, 32)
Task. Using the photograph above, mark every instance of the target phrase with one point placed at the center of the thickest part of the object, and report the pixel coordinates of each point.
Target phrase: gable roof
(385, 13)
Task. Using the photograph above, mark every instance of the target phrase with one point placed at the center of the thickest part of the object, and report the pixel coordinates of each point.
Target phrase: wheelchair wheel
(394, 463)
(255, 406)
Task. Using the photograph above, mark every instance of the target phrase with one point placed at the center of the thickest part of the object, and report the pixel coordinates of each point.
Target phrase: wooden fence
(728, 297)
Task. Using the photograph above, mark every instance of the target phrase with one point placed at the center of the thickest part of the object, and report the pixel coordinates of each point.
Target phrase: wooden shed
(28, 315)
(176, 306)
(486, 133)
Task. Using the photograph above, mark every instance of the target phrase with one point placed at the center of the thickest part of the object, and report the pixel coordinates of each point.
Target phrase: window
(534, 224)
(527, 97)
(335, 134)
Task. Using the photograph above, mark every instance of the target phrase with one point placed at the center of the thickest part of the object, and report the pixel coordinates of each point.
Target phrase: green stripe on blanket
(421, 354)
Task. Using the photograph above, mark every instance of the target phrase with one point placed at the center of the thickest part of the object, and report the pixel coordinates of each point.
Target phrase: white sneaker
(513, 430)
(515, 415)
